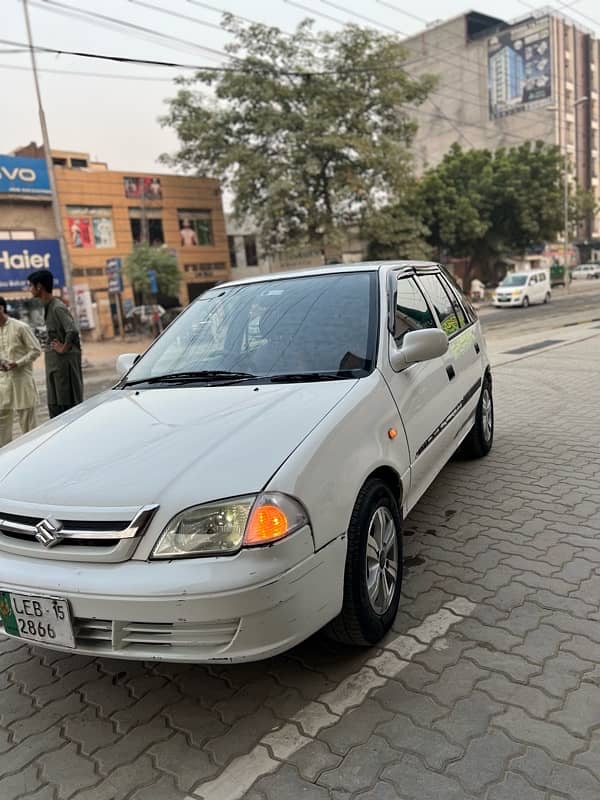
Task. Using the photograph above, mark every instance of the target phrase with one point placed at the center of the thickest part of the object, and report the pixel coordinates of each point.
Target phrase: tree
(480, 205)
(307, 130)
(397, 230)
(144, 258)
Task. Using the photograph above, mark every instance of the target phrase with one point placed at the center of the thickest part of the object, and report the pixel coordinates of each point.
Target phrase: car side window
(458, 298)
(532, 279)
(448, 314)
(412, 311)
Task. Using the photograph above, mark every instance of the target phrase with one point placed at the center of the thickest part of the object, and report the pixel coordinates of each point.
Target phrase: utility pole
(556, 108)
(50, 167)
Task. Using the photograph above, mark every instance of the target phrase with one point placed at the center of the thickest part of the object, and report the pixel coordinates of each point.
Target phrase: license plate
(39, 619)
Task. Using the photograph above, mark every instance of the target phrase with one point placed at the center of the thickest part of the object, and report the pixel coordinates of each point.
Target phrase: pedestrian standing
(64, 379)
(18, 393)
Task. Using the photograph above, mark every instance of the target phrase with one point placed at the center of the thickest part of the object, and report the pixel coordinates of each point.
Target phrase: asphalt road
(580, 304)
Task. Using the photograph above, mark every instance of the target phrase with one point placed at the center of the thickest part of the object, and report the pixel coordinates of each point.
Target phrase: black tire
(481, 436)
(358, 622)
(547, 298)
(525, 302)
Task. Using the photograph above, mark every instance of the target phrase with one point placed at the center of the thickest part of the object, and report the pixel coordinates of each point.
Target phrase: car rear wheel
(373, 575)
(525, 303)
(481, 436)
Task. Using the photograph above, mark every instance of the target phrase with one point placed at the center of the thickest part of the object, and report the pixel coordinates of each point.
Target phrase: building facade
(500, 84)
(105, 213)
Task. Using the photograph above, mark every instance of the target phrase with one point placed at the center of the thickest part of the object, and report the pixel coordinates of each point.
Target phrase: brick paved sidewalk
(487, 689)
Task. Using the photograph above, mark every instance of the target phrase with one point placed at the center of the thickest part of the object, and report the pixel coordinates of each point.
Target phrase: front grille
(145, 638)
(73, 539)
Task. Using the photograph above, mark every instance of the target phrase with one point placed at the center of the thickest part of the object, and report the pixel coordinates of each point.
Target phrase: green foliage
(303, 154)
(144, 258)
(481, 204)
(397, 230)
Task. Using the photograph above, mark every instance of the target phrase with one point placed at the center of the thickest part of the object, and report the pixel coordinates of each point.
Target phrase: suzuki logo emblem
(48, 532)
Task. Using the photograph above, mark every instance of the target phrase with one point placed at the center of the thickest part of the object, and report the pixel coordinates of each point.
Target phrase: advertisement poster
(80, 230)
(18, 259)
(91, 226)
(23, 175)
(519, 69)
(83, 307)
(146, 188)
(195, 228)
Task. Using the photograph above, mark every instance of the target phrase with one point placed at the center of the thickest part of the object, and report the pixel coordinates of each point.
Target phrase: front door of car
(423, 392)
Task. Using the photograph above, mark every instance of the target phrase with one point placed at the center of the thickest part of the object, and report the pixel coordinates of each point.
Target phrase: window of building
(79, 163)
(90, 226)
(146, 226)
(412, 311)
(59, 162)
(195, 227)
(232, 251)
(18, 234)
(251, 251)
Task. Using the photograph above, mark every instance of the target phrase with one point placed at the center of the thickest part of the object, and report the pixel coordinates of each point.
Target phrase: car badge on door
(48, 532)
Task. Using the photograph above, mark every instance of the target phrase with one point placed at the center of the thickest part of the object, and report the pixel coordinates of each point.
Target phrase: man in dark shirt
(64, 379)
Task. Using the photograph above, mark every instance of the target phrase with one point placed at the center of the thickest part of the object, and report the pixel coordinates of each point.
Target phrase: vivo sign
(20, 257)
(23, 175)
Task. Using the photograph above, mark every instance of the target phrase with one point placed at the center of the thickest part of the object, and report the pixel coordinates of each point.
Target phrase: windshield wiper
(191, 376)
(306, 377)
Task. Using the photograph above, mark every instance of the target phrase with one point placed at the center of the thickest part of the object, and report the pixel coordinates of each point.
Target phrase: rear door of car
(464, 364)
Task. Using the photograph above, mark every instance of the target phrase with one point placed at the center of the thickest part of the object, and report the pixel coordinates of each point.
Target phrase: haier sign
(23, 176)
(20, 257)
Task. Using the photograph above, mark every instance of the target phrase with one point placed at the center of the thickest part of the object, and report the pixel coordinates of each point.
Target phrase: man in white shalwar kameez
(19, 348)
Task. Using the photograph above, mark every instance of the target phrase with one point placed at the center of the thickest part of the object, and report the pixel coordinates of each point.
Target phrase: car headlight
(516, 292)
(225, 526)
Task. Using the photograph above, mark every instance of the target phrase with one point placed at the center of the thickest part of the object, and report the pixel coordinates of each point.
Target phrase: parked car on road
(586, 272)
(523, 289)
(245, 483)
(145, 314)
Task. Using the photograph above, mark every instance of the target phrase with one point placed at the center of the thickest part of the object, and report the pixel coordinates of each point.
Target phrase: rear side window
(451, 317)
(412, 311)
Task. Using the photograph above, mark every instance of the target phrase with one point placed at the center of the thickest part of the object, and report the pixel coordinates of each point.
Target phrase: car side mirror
(422, 345)
(125, 362)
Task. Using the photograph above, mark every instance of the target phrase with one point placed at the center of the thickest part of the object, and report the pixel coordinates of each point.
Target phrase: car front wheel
(373, 574)
(525, 302)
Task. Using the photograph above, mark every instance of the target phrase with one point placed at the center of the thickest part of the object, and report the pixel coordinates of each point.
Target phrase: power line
(77, 73)
(235, 16)
(365, 19)
(103, 19)
(186, 17)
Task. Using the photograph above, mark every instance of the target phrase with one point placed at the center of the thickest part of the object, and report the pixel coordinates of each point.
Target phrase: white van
(524, 289)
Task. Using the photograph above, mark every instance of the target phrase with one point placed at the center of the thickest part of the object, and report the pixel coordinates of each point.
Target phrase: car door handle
(477, 348)
(450, 371)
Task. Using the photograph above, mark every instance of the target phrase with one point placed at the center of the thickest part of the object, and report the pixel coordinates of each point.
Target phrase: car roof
(331, 269)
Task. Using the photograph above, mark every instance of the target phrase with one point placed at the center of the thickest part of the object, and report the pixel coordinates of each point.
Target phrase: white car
(523, 289)
(245, 482)
(585, 272)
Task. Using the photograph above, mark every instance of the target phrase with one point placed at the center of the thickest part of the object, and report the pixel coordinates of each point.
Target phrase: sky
(111, 111)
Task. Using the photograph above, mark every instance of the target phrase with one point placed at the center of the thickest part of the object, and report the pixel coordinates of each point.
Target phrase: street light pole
(574, 105)
(50, 167)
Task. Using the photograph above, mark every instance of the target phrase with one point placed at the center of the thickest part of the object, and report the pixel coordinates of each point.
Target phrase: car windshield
(318, 326)
(514, 280)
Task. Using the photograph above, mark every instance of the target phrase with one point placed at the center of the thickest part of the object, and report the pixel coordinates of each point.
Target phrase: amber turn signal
(267, 523)
(392, 433)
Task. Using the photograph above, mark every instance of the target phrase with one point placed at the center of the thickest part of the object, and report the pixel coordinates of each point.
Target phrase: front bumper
(507, 301)
(246, 607)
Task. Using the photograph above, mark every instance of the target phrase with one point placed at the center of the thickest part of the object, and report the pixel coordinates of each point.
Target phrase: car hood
(189, 444)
